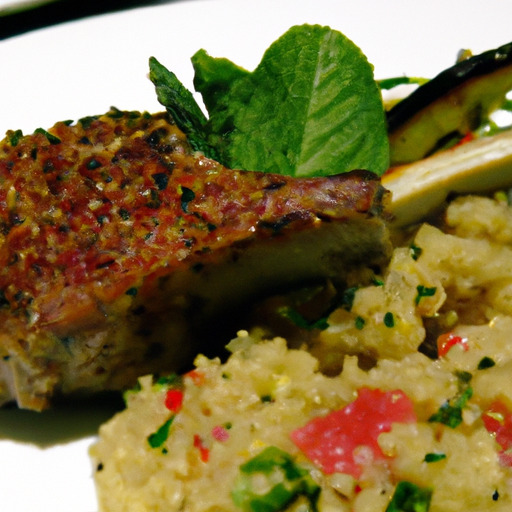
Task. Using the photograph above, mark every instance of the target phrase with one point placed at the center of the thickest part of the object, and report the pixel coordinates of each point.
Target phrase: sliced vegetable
(310, 108)
(335, 442)
(421, 189)
(271, 481)
(446, 108)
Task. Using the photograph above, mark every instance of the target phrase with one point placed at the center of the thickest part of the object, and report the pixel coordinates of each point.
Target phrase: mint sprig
(310, 108)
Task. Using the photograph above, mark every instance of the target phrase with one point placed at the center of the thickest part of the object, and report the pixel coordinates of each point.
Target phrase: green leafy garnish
(14, 137)
(271, 481)
(52, 139)
(409, 497)
(424, 291)
(434, 457)
(182, 106)
(310, 108)
(450, 413)
(158, 438)
(415, 251)
(360, 322)
(389, 319)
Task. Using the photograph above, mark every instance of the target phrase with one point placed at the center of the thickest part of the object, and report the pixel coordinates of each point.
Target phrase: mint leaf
(310, 108)
(181, 105)
(214, 77)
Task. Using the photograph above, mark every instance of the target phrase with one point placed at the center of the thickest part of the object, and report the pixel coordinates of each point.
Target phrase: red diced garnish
(345, 441)
(204, 452)
(174, 400)
(220, 433)
(467, 138)
(446, 341)
(498, 421)
(196, 376)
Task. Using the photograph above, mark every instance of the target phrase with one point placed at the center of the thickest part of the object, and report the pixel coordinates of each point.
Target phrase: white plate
(83, 68)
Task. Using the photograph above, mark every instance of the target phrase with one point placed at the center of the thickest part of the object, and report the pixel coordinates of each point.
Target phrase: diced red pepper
(174, 400)
(446, 341)
(204, 452)
(345, 440)
(498, 421)
(196, 376)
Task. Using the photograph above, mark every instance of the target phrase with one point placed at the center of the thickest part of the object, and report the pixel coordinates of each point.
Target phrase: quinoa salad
(401, 402)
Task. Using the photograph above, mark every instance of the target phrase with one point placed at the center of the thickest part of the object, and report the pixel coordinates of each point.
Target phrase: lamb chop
(121, 248)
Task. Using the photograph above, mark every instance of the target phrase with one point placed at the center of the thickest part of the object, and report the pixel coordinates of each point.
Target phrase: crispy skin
(119, 246)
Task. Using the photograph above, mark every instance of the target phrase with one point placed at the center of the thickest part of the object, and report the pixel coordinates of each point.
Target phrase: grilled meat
(119, 247)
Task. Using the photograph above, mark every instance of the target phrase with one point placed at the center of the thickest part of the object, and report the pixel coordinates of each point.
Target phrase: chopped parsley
(389, 319)
(52, 139)
(415, 251)
(360, 322)
(159, 437)
(450, 413)
(485, 362)
(434, 457)
(409, 497)
(424, 291)
(271, 481)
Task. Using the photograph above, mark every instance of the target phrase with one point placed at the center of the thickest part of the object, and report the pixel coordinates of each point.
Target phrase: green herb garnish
(310, 108)
(415, 251)
(434, 457)
(52, 139)
(409, 497)
(424, 291)
(158, 438)
(359, 322)
(271, 481)
(389, 319)
(450, 413)
(14, 137)
(486, 362)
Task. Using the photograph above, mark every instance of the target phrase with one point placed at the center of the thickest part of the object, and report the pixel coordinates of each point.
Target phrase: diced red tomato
(498, 421)
(204, 452)
(446, 341)
(345, 440)
(174, 400)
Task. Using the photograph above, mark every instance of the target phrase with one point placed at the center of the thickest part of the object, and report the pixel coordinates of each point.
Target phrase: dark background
(62, 11)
